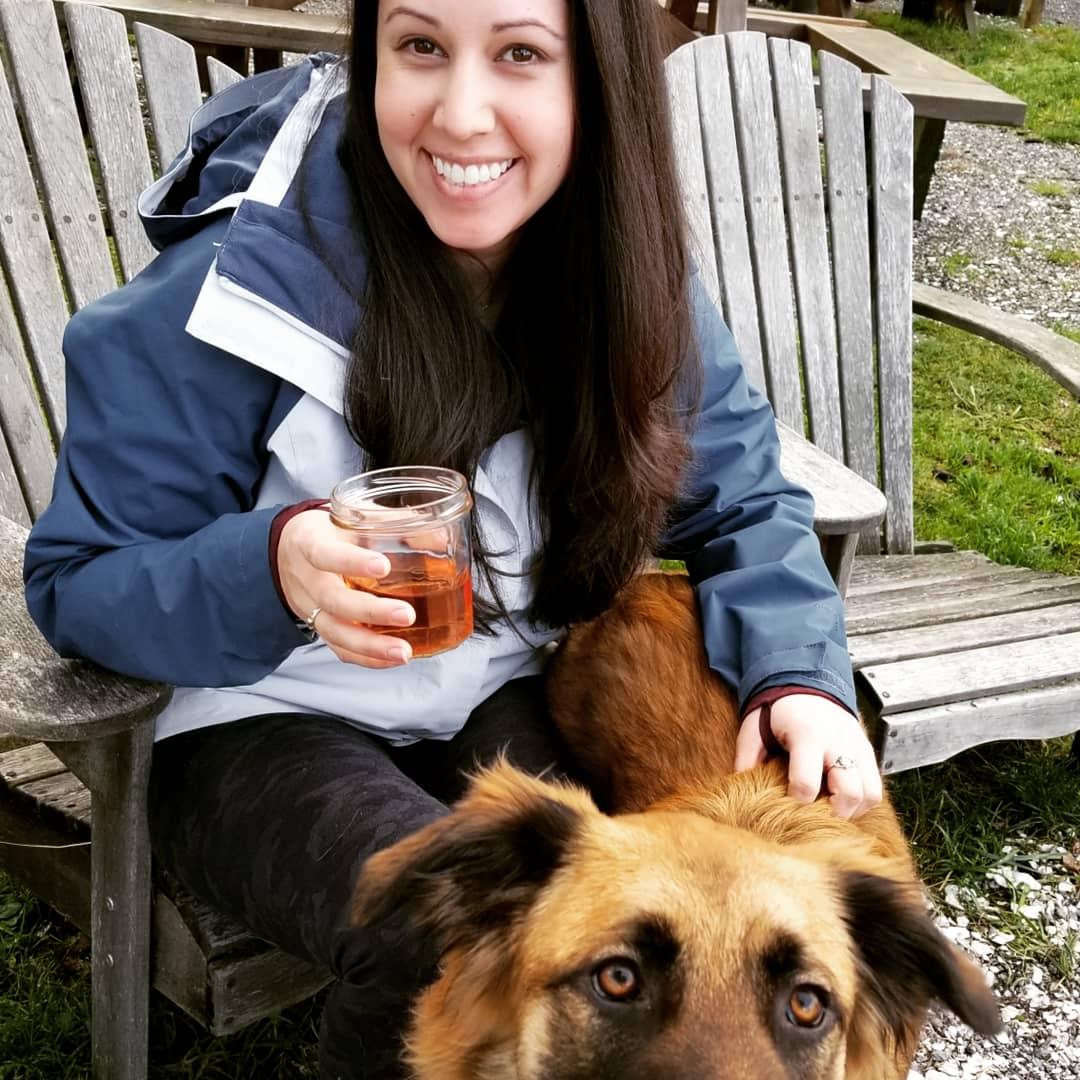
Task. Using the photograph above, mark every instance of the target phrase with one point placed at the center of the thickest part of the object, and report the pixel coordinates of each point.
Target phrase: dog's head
(657, 945)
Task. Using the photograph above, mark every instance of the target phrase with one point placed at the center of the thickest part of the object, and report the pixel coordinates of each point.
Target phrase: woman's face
(475, 110)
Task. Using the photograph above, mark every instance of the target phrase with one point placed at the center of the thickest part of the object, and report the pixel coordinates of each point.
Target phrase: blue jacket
(206, 394)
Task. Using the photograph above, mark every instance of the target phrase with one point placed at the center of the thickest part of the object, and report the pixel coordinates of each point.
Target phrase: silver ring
(841, 761)
(309, 622)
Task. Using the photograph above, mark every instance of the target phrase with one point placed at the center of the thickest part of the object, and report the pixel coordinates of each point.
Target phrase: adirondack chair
(811, 258)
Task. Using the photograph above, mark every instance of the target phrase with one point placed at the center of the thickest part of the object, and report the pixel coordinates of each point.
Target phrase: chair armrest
(43, 697)
(1057, 355)
(844, 502)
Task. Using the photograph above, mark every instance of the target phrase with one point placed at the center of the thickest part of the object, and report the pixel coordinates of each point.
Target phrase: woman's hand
(313, 556)
(816, 733)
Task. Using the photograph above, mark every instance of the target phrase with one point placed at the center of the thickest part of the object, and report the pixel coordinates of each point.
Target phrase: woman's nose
(466, 105)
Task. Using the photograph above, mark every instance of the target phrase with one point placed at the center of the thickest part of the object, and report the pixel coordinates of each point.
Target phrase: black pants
(269, 819)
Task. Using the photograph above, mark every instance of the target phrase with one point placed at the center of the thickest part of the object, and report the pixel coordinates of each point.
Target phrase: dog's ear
(905, 961)
(471, 873)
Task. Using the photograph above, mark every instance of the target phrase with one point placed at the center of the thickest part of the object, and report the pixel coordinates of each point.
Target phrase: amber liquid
(440, 594)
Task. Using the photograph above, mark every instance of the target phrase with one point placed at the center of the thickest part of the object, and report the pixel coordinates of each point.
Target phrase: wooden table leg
(929, 135)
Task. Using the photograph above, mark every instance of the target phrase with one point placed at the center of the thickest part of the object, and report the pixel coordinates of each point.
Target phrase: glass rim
(449, 488)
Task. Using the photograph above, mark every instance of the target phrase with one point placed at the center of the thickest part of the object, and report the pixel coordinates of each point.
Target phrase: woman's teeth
(470, 175)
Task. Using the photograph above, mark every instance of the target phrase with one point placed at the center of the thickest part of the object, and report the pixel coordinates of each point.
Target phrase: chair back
(804, 239)
(74, 156)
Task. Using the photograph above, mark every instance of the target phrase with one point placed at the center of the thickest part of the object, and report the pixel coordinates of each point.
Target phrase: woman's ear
(472, 872)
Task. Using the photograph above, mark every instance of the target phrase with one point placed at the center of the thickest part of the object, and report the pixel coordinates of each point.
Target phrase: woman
(459, 249)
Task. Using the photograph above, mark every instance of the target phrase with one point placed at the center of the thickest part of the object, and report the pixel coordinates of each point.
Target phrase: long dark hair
(593, 340)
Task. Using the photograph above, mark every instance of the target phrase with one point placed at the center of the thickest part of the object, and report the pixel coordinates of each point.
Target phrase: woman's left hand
(826, 747)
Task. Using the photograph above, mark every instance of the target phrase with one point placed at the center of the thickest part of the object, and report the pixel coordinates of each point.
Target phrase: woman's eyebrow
(415, 14)
(518, 23)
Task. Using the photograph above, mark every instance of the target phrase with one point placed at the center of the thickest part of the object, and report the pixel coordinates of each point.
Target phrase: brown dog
(717, 931)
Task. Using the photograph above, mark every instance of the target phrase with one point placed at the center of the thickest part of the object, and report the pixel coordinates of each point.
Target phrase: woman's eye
(521, 54)
(806, 1007)
(617, 980)
(422, 46)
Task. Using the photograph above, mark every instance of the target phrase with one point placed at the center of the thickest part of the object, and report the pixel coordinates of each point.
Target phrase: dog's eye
(806, 1007)
(617, 980)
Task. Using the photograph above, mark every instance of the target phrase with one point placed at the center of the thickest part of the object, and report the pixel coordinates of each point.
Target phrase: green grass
(1051, 189)
(997, 453)
(955, 264)
(45, 1002)
(1062, 256)
(1040, 66)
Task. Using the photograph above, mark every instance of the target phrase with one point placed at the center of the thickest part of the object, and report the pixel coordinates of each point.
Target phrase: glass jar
(418, 517)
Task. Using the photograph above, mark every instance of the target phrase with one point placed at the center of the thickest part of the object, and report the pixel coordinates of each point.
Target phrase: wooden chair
(814, 273)
(89, 732)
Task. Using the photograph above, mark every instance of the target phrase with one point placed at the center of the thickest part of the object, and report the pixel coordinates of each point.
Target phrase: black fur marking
(784, 957)
(906, 961)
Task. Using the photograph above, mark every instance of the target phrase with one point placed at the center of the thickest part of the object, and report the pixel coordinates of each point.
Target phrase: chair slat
(728, 213)
(35, 288)
(756, 132)
(26, 455)
(40, 72)
(686, 135)
(99, 43)
(804, 198)
(171, 81)
(891, 172)
(221, 75)
(845, 156)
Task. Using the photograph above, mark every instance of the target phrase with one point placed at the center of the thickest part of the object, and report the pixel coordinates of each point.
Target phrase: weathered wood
(926, 736)
(693, 186)
(890, 646)
(938, 606)
(36, 292)
(804, 201)
(46, 698)
(247, 988)
(63, 794)
(929, 135)
(890, 171)
(845, 155)
(99, 44)
(756, 133)
(970, 674)
(221, 75)
(728, 234)
(171, 81)
(1057, 355)
(36, 59)
(226, 24)
(843, 502)
(880, 573)
(28, 763)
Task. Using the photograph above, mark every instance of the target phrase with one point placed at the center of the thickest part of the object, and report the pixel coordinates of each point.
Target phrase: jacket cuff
(281, 519)
(774, 693)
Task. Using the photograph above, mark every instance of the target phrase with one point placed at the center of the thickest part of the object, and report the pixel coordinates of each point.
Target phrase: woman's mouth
(472, 176)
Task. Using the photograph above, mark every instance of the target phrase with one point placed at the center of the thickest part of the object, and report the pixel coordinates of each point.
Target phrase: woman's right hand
(314, 556)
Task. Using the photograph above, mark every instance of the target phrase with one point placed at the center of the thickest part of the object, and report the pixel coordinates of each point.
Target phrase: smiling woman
(459, 248)
(475, 114)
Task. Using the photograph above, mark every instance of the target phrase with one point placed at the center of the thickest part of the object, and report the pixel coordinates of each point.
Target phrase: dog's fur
(733, 909)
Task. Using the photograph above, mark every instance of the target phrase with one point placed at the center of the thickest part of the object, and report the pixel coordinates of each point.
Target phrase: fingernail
(400, 653)
(380, 566)
(401, 616)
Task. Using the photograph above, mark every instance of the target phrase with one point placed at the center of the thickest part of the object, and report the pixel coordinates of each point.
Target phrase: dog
(707, 927)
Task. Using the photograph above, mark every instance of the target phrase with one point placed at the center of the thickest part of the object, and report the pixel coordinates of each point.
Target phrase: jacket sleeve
(150, 559)
(770, 612)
